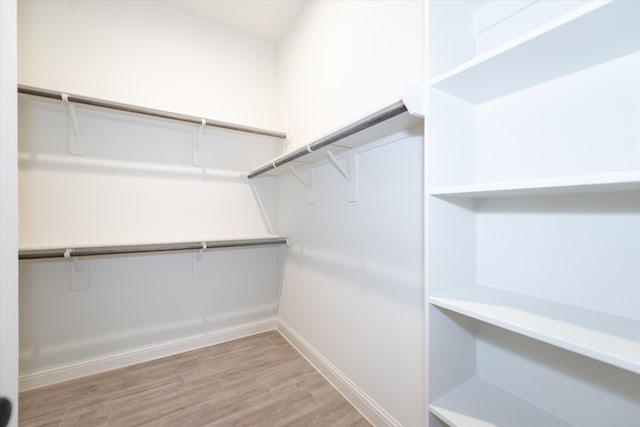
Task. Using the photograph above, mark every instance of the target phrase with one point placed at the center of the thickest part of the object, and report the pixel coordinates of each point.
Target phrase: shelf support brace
(78, 272)
(198, 145)
(414, 98)
(351, 176)
(263, 210)
(308, 184)
(285, 145)
(198, 261)
(298, 177)
(336, 165)
(75, 143)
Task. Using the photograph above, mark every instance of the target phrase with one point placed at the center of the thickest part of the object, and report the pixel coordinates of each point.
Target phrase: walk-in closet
(417, 213)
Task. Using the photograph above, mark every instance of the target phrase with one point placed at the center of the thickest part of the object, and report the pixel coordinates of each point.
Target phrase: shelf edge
(127, 249)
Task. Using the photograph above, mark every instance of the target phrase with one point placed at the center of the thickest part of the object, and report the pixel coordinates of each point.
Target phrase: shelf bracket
(336, 165)
(198, 261)
(263, 210)
(298, 177)
(198, 144)
(285, 145)
(351, 175)
(75, 141)
(308, 184)
(414, 98)
(78, 272)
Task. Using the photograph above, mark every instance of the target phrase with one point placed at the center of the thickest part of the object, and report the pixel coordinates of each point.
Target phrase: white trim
(368, 407)
(141, 354)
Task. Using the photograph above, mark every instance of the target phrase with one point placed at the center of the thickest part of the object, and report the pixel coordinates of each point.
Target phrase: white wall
(344, 59)
(353, 285)
(136, 183)
(8, 207)
(150, 54)
(140, 307)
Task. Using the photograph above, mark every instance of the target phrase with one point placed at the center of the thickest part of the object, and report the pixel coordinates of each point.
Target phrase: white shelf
(477, 403)
(124, 248)
(611, 339)
(598, 32)
(387, 121)
(145, 111)
(622, 181)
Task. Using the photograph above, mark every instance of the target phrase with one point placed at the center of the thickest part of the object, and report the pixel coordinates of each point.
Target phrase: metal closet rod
(44, 93)
(145, 248)
(353, 128)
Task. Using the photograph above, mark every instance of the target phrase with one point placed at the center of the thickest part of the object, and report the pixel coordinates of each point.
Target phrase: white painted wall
(353, 285)
(151, 54)
(136, 183)
(140, 307)
(344, 59)
(8, 207)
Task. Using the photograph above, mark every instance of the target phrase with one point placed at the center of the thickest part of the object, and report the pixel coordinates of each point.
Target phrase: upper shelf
(596, 33)
(620, 181)
(386, 121)
(45, 93)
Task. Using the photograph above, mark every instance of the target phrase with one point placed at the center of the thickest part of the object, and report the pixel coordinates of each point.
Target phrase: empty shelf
(606, 337)
(622, 181)
(595, 33)
(386, 121)
(41, 253)
(45, 93)
(477, 403)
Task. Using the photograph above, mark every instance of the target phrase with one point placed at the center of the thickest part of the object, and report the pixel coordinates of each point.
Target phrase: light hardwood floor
(255, 381)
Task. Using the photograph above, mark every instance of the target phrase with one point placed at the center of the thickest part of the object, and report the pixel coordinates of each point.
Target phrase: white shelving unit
(533, 213)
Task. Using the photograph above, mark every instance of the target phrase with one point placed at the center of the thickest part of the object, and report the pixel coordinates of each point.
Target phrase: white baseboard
(368, 407)
(141, 354)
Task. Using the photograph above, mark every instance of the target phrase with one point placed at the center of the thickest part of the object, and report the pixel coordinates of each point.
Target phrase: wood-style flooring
(255, 381)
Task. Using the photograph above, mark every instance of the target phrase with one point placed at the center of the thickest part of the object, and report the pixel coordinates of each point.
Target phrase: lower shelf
(478, 403)
(135, 248)
(611, 339)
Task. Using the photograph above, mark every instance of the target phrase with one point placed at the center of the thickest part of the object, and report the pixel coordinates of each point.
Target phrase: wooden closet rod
(145, 248)
(44, 93)
(379, 116)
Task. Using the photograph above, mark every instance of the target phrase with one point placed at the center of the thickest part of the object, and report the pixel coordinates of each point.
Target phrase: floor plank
(255, 381)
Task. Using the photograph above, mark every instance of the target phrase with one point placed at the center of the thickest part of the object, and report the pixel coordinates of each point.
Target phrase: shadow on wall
(374, 244)
(138, 301)
(136, 179)
(389, 281)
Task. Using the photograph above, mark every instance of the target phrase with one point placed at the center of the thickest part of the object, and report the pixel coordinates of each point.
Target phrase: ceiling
(267, 19)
